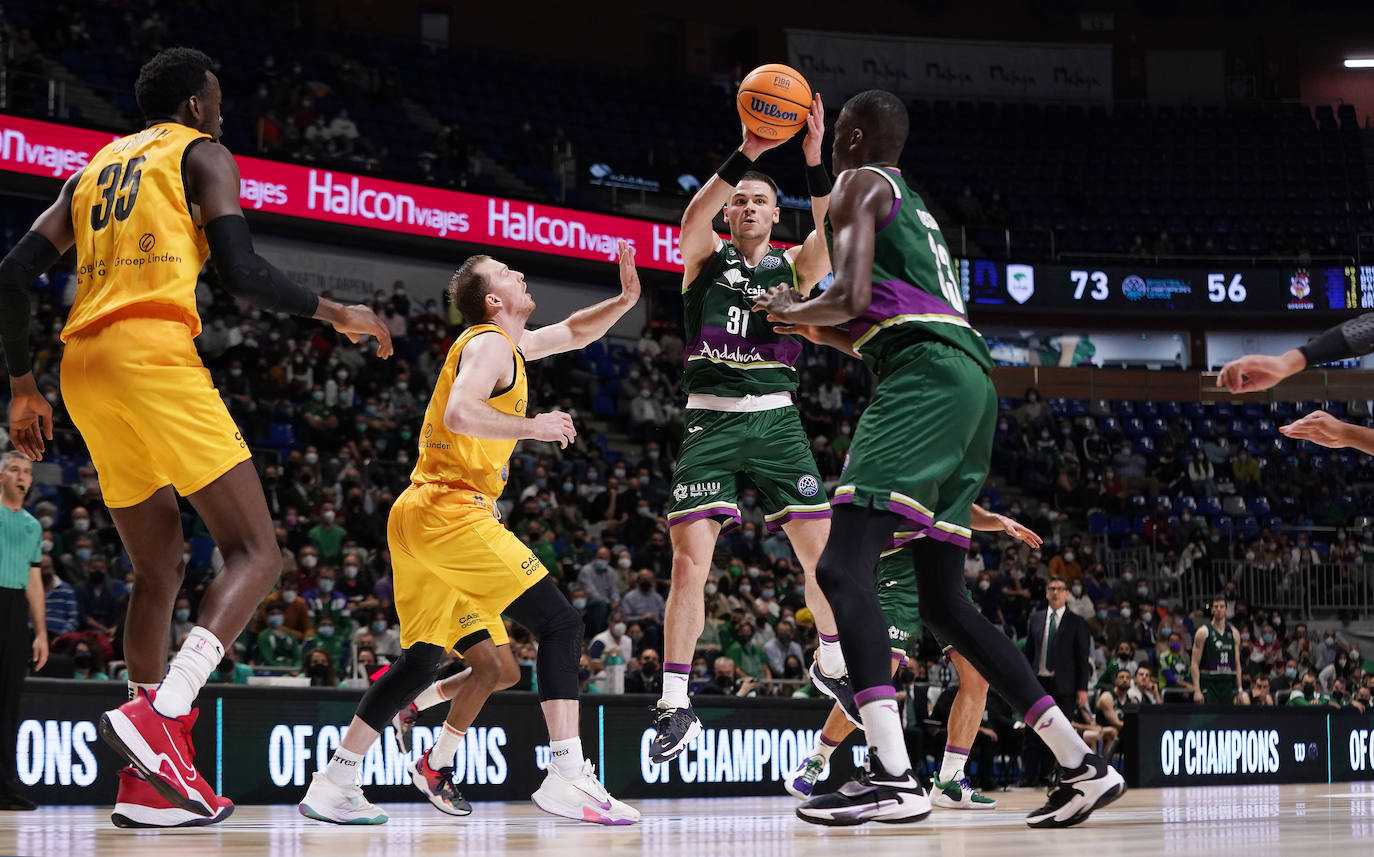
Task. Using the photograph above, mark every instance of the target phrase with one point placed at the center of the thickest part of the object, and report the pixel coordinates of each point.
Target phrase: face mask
(567, 487)
(1142, 591)
(326, 585)
(312, 457)
(1101, 614)
(46, 522)
(1165, 631)
(325, 630)
(292, 520)
(1330, 641)
(653, 455)
(46, 545)
(1268, 638)
(1125, 612)
(1076, 590)
(183, 615)
(579, 603)
(618, 629)
(1355, 654)
(750, 502)
(623, 562)
(328, 517)
(1291, 673)
(711, 589)
(275, 621)
(698, 671)
(84, 554)
(646, 585)
(745, 589)
(984, 585)
(754, 571)
(350, 571)
(81, 525)
(601, 564)
(1128, 576)
(748, 535)
(1175, 646)
(84, 660)
(379, 627)
(1068, 556)
(288, 596)
(768, 592)
(309, 560)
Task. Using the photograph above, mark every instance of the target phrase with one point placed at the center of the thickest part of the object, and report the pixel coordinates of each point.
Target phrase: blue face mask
(1102, 614)
(579, 603)
(325, 630)
(275, 621)
(183, 615)
(83, 554)
(326, 585)
(379, 626)
(1291, 673)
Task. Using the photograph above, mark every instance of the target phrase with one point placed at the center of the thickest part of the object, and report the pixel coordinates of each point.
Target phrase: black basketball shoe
(1080, 791)
(676, 729)
(873, 795)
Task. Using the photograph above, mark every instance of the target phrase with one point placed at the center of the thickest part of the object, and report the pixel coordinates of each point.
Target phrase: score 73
(1219, 292)
(1080, 282)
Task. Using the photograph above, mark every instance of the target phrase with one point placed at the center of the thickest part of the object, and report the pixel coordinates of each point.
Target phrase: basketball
(774, 101)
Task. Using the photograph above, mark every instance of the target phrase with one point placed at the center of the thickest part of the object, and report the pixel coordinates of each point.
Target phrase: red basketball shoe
(160, 748)
(140, 805)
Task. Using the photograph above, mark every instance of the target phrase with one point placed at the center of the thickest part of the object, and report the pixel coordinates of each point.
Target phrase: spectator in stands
(1175, 666)
(324, 598)
(60, 610)
(295, 614)
(748, 656)
(230, 671)
(385, 636)
(988, 599)
(1096, 450)
(969, 208)
(1079, 602)
(343, 131)
(1146, 686)
(1328, 651)
(1130, 466)
(1158, 533)
(327, 537)
(87, 663)
(648, 678)
(614, 637)
(96, 601)
(782, 646)
(329, 637)
(1033, 414)
(320, 668)
(276, 646)
(724, 681)
(1284, 676)
(1245, 471)
(181, 621)
(599, 579)
(1307, 693)
(1065, 564)
(1015, 598)
(1340, 668)
(1201, 475)
(1259, 691)
(643, 604)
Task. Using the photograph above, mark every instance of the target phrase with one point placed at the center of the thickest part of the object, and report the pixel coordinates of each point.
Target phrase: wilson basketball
(774, 101)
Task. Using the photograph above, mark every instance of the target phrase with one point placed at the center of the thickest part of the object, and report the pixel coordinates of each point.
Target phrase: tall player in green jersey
(740, 417)
(918, 459)
(1216, 672)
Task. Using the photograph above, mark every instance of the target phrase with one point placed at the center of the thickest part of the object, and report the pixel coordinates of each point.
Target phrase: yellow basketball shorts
(454, 566)
(148, 410)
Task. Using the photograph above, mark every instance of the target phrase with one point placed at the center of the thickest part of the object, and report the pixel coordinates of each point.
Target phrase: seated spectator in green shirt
(87, 664)
(748, 655)
(331, 637)
(276, 646)
(230, 671)
(1309, 692)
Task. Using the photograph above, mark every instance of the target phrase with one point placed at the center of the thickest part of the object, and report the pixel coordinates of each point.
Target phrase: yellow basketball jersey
(463, 462)
(138, 251)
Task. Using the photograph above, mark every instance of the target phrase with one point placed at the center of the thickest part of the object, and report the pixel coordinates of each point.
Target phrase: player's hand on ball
(1018, 531)
(356, 321)
(554, 427)
(815, 131)
(1319, 427)
(754, 145)
(629, 275)
(777, 302)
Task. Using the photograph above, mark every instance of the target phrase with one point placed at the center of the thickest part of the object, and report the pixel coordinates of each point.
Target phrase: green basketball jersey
(1218, 650)
(917, 295)
(732, 350)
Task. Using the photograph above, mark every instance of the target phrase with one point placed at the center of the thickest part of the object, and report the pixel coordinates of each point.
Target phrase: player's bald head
(881, 120)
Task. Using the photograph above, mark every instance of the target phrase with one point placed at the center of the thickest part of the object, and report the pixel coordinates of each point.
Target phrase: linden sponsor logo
(1200, 752)
(352, 199)
(150, 259)
(731, 756)
(294, 751)
(734, 355)
(260, 193)
(57, 160)
(525, 224)
(56, 752)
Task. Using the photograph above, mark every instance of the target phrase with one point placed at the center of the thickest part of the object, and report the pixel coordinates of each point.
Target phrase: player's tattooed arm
(859, 200)
(589, 324)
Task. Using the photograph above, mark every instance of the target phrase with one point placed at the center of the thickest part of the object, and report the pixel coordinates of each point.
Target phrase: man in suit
(1057, 647)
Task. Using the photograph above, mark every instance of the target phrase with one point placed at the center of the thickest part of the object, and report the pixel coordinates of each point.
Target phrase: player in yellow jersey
(456, 568)
(144, 215)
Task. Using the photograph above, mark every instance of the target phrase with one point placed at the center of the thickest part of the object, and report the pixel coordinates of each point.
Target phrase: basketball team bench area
(1216, 775)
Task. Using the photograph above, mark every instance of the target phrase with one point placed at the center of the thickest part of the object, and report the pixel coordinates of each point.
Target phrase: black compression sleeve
(247, 275)
(1353, 338)
(33, 255)
(817, 181)
(734, 168)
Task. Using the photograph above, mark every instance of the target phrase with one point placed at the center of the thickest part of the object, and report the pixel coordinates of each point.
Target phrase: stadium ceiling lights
(1360, 63)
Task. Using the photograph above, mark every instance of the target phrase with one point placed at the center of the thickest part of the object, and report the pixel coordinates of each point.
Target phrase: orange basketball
(774, 101)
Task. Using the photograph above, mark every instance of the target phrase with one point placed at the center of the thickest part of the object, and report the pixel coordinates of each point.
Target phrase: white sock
(430, 697)
(343, 768)
(952, 765)
(566, 757)
(188, 673)
(675, 688)
(136, 686)
(883, 728)
(441, 756)
(823, 747)
(831, 658)
(1055, 730)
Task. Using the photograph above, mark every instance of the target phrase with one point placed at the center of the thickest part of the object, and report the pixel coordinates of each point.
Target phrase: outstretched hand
(815, 131)
(629, 275)
(1321, 428)
(357, 320)
(1255, 372)
(1019, 531)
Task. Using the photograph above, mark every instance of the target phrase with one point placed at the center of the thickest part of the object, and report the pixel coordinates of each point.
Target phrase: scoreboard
(1274, 292)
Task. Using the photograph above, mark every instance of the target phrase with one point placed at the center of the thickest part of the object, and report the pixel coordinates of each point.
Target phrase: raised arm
(811, 259)
(50, 236)
(213, 178)
(1349, 339)
(856, 205)
(488, 365)
(587, 325)
(699, 241)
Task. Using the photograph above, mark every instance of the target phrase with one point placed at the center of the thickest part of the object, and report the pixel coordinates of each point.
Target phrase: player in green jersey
(920, 455)
(1215, 669)
(740, 418)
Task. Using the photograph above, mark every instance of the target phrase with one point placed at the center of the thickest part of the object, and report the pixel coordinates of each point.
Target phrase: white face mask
(309, 560)
(623, 562)
(81, 525)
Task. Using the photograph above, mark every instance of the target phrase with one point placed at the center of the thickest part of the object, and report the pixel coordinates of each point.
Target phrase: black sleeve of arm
(247, 275)
(1353, 338)
(33, 255)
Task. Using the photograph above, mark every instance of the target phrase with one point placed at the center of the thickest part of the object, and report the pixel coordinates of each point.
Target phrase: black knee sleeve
(951, 616)
(413, 672)
(558, 626)
(845, 573)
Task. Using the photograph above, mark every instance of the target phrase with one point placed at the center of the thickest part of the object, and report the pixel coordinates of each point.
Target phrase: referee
(21, 602)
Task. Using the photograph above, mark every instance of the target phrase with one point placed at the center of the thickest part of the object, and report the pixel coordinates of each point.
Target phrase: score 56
(1219, 292)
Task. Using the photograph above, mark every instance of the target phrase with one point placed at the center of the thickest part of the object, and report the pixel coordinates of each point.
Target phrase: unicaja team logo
(680, 492)
(1020, 282)
(808, 486)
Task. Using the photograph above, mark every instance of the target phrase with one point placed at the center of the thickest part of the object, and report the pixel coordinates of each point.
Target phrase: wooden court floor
(1314, 820)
